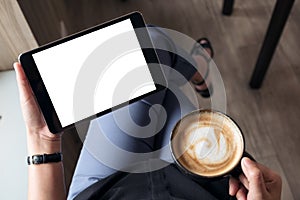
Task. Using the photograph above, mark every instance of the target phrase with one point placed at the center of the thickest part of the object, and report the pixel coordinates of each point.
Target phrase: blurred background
(269, 116)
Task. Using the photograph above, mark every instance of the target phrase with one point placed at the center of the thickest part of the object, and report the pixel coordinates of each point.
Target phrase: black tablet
(90, 73)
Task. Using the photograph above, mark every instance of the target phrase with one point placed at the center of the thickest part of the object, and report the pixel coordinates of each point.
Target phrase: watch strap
(44, 158)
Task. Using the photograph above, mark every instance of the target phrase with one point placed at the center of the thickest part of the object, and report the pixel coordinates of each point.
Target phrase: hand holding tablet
(88, 74)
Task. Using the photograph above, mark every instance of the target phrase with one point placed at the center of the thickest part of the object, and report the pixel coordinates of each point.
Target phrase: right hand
(257, 183)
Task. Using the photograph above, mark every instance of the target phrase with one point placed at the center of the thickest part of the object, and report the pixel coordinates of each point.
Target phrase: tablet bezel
(39, 88)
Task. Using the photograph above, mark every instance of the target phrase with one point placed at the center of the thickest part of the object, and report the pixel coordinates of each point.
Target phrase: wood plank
(44, 18)
(15, 34)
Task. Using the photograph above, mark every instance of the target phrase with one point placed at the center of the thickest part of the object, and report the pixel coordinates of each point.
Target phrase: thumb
(23, 85)
(255, 177)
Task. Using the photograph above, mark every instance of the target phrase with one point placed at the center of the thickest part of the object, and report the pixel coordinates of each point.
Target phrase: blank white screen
(60, 65)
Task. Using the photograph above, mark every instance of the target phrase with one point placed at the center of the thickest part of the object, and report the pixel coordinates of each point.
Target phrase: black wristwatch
(44, 158)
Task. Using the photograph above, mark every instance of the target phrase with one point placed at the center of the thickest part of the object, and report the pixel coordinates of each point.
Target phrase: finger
(271, 178)
(254, 176)
(233, 186)
(244, 181)
(23, 85)
(241, 193)
(31, 112)
(268, 174)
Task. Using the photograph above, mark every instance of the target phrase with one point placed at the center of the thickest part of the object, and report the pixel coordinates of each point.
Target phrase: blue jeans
(91, 169)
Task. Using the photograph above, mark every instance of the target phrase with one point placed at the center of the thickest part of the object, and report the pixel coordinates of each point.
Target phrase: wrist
(43, 142)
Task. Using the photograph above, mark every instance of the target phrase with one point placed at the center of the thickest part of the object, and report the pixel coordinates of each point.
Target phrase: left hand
(39, 138)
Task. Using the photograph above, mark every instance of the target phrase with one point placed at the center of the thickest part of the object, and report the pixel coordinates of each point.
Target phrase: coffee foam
(208, 144)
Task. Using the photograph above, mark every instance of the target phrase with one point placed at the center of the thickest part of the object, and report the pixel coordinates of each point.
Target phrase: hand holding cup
(257, 183)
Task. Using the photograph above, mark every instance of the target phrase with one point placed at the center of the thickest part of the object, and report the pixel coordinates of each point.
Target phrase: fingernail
(15, 65)
(248, 163)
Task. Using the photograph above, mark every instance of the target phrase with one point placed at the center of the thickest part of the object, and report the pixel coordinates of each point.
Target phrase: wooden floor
(269, 117)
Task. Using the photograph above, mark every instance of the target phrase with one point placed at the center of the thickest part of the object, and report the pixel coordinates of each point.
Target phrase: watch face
(37, 159)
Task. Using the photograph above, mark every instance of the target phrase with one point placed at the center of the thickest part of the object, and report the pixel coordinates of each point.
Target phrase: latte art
(207, 144)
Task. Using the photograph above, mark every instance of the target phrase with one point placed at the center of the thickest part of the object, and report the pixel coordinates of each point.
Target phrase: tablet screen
(60, 68)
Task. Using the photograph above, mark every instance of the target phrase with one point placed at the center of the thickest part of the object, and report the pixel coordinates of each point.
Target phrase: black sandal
(196, 50)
